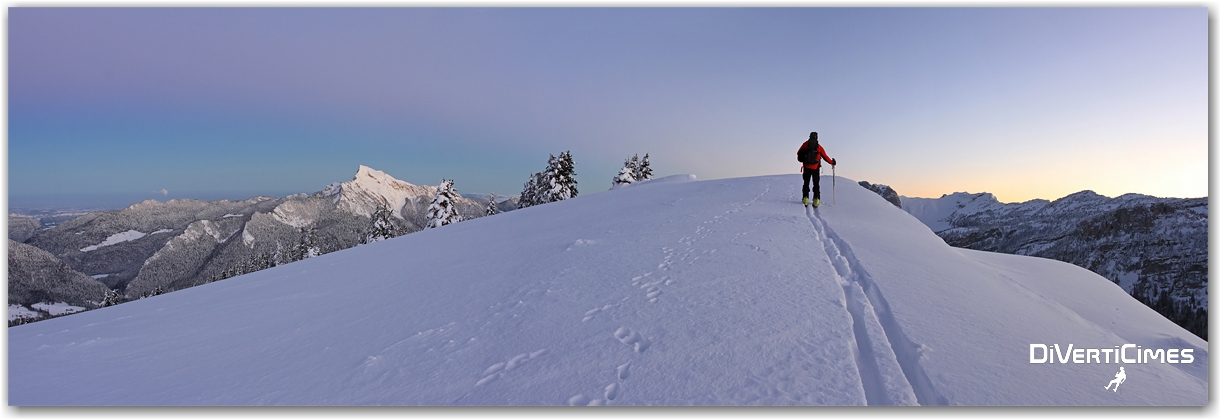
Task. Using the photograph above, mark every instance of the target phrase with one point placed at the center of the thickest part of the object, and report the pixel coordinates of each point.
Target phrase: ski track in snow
(888, 362)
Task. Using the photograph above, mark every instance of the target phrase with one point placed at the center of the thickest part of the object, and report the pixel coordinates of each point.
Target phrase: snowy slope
(1155, 248)
(969, 317)
(671, 292)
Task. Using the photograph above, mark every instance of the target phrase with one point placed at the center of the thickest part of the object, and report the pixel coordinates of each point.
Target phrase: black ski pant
(807, 174)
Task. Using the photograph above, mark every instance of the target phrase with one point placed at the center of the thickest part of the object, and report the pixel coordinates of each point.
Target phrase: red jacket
(817, 161)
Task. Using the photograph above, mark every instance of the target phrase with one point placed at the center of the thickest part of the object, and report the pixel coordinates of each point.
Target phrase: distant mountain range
(154, 247)
(1154, 248)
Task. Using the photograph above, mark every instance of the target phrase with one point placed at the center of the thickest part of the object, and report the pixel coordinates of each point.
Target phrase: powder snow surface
(720, 292)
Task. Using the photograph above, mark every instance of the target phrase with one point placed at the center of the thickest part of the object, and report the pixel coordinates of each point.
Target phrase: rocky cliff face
(885, 192)
(1155, 248)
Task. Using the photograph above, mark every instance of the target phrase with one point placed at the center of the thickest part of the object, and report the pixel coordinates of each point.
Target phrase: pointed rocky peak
(371, 188)
(369, 176)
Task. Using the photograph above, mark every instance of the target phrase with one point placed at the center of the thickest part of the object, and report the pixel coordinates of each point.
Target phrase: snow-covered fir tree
(305, 247)
(112, 298)
(643, 171)
(546, 185)
(381, 225)
(634, 170)
(531, 193)
(491, 206)
(154, 292)
(443, 209)
(280, 256)
(561, 178)
(556, 183)
(626, 176)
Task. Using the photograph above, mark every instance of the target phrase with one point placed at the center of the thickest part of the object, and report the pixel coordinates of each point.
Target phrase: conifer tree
(443, 209)
(305, 247)
(491, 206)
(556, 183)
(155, 292)
(527, 194)
(311, 247)
(381, 225)
(560, 178)
(111, 298)
(643, 171)
(547, 186)
(531, 193)
(280, 256)
(626, 175)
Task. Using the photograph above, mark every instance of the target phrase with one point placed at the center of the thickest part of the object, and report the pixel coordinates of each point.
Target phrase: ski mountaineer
(811, 155)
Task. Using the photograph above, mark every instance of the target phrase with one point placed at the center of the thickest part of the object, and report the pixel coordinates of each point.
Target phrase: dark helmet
(813, 135)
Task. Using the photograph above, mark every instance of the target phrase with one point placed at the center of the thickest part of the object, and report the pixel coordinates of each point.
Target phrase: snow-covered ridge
(724, 292)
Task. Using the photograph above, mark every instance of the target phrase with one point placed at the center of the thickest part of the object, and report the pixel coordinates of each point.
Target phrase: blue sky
(205, 103)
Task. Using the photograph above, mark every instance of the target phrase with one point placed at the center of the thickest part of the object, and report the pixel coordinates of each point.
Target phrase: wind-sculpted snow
(720, 292)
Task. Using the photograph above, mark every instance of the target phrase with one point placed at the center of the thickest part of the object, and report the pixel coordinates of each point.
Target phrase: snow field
(16, 311)
(58, 308)
(720, 292)
(114, 239)
(55, 309)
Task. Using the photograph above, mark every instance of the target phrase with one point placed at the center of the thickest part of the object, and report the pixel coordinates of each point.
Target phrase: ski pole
(833, 196)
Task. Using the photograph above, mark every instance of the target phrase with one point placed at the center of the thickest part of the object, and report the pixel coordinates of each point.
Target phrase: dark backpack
(810, 155)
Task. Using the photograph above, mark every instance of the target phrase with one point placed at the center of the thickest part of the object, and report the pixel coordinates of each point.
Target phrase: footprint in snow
(590, 314)
(498, 369)
(632, 339)
(611, 391)
(652, 294)
(624, 370)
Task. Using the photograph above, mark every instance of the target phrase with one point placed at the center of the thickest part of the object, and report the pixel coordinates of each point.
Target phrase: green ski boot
(805, 201)
(817, 202)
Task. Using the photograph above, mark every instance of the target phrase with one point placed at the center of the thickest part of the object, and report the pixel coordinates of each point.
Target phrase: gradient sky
(203, 103)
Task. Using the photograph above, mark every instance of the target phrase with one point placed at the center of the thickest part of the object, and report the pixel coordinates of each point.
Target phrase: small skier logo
(1118, 379)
